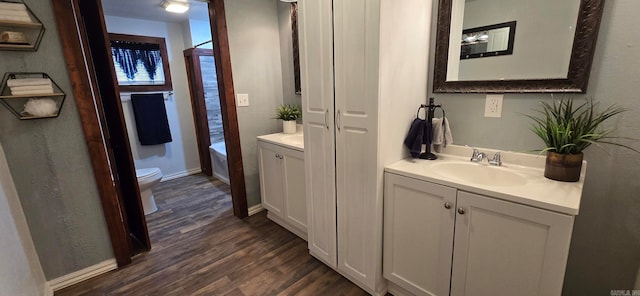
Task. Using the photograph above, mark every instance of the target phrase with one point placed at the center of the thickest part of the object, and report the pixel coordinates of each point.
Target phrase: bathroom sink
(296, 139)
(480, 174)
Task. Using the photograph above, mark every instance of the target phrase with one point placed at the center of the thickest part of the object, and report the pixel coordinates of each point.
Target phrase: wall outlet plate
(493, 106)
(242, 100)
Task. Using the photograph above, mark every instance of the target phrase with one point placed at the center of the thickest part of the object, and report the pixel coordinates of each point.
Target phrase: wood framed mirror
(543, 60)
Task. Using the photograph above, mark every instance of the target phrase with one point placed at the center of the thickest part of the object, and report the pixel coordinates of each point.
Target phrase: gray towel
(441, 133)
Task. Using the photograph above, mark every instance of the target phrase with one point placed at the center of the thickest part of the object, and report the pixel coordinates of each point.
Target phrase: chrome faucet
(479, 156)
(496, 160)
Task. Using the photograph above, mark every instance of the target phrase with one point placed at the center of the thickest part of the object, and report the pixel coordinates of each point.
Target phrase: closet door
(316, 66)
(356, 41)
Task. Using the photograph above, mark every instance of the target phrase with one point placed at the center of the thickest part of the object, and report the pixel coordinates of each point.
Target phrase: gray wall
(605, 248)
(50, 165)
(20, 271)
(255, 58)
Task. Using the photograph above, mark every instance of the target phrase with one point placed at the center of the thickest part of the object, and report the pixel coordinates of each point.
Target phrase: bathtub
(219, 165)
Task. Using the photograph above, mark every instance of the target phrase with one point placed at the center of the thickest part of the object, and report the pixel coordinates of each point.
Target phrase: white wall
(181, 155)
(20, 271)
(544, 28)
(254, 42)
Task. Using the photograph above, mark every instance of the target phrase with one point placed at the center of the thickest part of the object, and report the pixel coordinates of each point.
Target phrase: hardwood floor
(200, 248)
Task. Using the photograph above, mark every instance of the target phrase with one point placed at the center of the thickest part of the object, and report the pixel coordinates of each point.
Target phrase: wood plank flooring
(200, 248)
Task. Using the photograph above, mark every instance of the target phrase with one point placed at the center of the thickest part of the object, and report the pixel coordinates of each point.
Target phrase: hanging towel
(441, 133)
(419, 133)
(151, 118)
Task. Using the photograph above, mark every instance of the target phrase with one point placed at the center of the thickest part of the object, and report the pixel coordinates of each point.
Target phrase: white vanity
(282, 181)
(453, 227)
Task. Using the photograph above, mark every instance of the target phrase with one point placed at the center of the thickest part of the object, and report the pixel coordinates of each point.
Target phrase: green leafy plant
(566, 129)
(288, 112)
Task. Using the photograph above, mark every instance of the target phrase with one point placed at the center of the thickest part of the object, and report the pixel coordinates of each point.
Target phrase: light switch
(242, 100)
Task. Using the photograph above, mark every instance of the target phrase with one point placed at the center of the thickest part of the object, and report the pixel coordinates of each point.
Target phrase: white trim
(47, 290)
(181, 174)
(255, 209)
(396, 290)
(82, 275)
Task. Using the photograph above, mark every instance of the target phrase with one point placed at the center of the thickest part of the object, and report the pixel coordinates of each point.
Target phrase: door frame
(198, 104)
(80, 67)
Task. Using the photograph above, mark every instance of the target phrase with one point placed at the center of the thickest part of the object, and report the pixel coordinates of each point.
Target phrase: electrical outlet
(242, 100)
(493, 106)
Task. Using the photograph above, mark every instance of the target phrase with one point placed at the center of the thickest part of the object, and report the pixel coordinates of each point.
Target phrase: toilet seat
(148, 174)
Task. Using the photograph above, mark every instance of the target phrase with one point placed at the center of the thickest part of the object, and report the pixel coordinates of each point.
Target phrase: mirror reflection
(487, 42)
(540, 49)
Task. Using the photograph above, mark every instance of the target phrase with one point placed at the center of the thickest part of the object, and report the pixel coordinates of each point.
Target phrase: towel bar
(126, 97)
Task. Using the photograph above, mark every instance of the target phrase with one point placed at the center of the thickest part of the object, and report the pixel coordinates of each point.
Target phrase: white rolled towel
(12, 6)
(24, 19)
(28, 81)
(20, 13)
(31, 87)
(38, 91)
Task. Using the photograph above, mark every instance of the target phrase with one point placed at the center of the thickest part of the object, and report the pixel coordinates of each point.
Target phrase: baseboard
(82, 275)
(396, 290)
(181, 174)
(255, 209)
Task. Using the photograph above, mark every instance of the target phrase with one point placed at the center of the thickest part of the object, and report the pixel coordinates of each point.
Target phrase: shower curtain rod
(203, 43)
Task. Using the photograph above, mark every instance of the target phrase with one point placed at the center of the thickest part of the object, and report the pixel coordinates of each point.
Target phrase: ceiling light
(175, 6)
(289, 1)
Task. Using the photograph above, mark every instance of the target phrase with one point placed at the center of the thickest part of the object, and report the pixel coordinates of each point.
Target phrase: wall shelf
(17, 103)
(20, 29)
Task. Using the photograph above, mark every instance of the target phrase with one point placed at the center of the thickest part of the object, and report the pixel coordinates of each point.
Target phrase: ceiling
(151, 10)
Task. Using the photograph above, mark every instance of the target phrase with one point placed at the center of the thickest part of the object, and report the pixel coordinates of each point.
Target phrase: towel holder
(430, 110)
(126, 96)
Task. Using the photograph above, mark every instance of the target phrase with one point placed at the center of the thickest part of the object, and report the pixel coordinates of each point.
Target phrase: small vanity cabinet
(439, 240)
(282, 184)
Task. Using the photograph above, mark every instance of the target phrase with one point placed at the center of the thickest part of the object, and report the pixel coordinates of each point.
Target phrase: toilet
(219, 164)
(147, 179)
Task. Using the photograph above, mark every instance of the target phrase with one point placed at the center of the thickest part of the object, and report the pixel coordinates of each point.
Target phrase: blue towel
(151, 119)
(419, 133)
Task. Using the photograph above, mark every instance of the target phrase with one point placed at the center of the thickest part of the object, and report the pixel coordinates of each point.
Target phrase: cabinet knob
(447, 205)
(461, 211)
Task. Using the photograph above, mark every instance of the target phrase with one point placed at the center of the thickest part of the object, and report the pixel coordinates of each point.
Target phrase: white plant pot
(289, 126)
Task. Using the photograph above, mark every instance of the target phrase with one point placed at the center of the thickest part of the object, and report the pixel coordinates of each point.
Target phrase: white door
(418, 234)
(316, 66)
(270, 166)
(503, 248)
(294, 192)
(356, 42)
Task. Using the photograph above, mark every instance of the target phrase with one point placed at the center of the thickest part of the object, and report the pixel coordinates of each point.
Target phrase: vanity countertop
(536, 190)
(292, 141)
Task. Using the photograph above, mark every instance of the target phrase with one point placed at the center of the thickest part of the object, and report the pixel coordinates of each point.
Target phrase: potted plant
(288, 114)
(567, 130)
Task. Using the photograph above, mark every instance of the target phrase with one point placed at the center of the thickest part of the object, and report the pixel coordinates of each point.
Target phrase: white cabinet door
(270, 170)
(359, 204)
(418, 234)
(316, 65)
(503, 248)
(294, 189)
